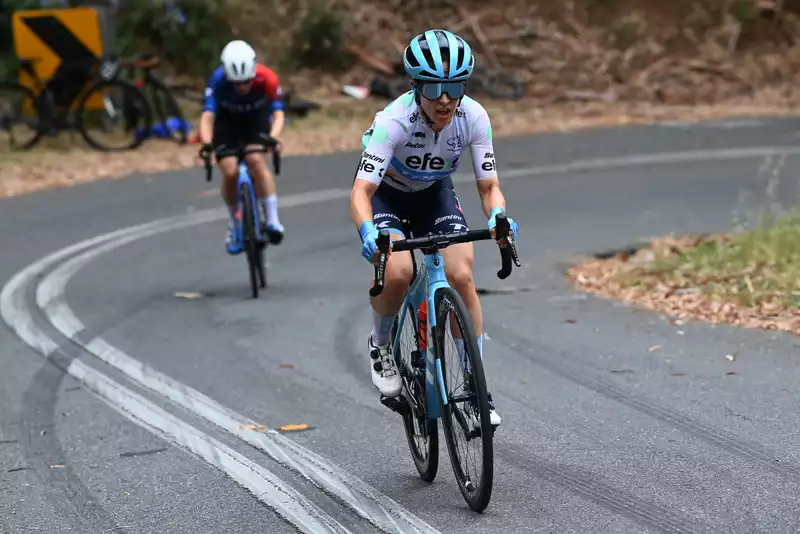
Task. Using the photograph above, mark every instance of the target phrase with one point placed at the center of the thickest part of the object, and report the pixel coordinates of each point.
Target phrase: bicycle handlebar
(240, 154)
(439, 241)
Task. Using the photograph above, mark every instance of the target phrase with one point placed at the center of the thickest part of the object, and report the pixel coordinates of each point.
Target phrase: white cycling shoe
(494, 417)
(385, 375)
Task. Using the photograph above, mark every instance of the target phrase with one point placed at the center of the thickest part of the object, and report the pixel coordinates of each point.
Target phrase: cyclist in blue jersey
(409, 154)
(243, 104)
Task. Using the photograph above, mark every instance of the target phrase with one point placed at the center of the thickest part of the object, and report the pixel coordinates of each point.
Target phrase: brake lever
(383, 243)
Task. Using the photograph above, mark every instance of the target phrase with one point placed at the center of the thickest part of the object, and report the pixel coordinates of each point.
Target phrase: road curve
(159, 413)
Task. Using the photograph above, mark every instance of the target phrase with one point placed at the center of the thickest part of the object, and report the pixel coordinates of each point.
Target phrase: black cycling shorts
(435, 209)
(232, 130)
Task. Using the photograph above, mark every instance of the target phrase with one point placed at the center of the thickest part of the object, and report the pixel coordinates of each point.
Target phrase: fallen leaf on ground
(293, 428)
(188, 295)
(252, 427)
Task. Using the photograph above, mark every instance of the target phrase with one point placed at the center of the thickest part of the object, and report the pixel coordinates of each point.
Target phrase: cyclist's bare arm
(360, 201)
(491, 195)
(278, 119)
(206, 127)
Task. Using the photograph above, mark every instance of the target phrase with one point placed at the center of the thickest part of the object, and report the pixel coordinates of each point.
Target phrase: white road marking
(377, 508)
(639, 160)
(287, 502)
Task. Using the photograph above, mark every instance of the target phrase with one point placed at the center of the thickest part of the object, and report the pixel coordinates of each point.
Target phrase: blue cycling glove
(369, 237)
(492, 221)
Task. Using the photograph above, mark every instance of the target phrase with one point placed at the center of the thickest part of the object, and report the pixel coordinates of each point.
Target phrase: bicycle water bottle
(422, 315)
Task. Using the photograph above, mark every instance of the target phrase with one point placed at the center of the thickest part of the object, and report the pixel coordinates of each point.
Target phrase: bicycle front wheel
(422, 432)
(465, 415)
(114, 116)
(249, 237)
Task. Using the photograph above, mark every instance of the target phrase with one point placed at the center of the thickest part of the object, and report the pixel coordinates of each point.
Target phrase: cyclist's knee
(398, 273)
(227, 167)
(255, 161)
(460, 277)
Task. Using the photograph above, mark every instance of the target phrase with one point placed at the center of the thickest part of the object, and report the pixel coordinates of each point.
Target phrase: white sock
(232, 216)
(271, 207)
(381, 328)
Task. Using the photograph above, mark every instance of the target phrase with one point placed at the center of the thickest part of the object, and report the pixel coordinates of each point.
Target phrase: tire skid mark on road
(705, 432)
(588, 487)
(381, 511)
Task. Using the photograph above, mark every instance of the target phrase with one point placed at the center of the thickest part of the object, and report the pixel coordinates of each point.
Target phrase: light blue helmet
(424, 57)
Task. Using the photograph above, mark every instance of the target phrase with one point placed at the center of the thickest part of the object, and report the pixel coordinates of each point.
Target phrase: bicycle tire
(166, 108)
(35, 102)
(260, 265)
(249, 237)
(138, 104)
(427, 466)
(478, 498)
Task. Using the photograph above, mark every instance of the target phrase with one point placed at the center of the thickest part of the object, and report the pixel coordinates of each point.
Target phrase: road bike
(170, 120)
(251, 221)
(68, 101)
(431, 306)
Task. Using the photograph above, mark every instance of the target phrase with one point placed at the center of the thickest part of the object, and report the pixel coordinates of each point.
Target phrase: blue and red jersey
(265, 91)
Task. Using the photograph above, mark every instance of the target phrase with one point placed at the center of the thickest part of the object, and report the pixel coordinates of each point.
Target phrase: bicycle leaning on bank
(251, 219)
(428, 364)
(83, 95)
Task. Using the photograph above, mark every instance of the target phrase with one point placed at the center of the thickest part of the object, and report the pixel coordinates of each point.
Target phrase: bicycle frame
(424, 284)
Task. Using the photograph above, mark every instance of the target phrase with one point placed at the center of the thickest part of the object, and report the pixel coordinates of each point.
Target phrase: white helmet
(239, 61)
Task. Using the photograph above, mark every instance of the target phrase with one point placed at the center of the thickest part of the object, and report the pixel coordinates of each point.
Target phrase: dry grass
(749, 278)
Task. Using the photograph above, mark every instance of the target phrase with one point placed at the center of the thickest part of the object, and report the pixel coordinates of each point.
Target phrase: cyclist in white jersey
(409, 154)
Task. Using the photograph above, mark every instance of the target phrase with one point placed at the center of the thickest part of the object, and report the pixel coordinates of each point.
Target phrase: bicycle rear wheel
(105, 108)
(21, 121)
(422, 432)
(465, 417)
(249, 237)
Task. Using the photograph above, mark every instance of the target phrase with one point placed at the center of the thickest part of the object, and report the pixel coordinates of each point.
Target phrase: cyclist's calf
(230, 172)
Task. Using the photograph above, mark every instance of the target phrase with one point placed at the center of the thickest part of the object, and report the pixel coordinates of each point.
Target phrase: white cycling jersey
(401, 148)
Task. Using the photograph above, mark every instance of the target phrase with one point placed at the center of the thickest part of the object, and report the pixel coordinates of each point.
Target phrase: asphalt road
(601, 432)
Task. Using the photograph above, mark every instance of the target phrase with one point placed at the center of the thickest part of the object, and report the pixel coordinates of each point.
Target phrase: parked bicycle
(430, 305)
(251, 219)
(171, 122)
(84, 96)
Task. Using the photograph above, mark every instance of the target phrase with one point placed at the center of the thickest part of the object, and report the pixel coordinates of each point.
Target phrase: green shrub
(187, 33)
(319, 39)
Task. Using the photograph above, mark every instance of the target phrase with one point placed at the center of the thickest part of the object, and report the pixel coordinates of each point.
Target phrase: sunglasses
(434, 90)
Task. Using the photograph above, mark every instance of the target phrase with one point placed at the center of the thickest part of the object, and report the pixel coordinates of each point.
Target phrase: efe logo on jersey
(427, 161)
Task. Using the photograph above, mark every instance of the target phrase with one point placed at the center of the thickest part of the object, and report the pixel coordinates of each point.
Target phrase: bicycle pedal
(397, 404)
